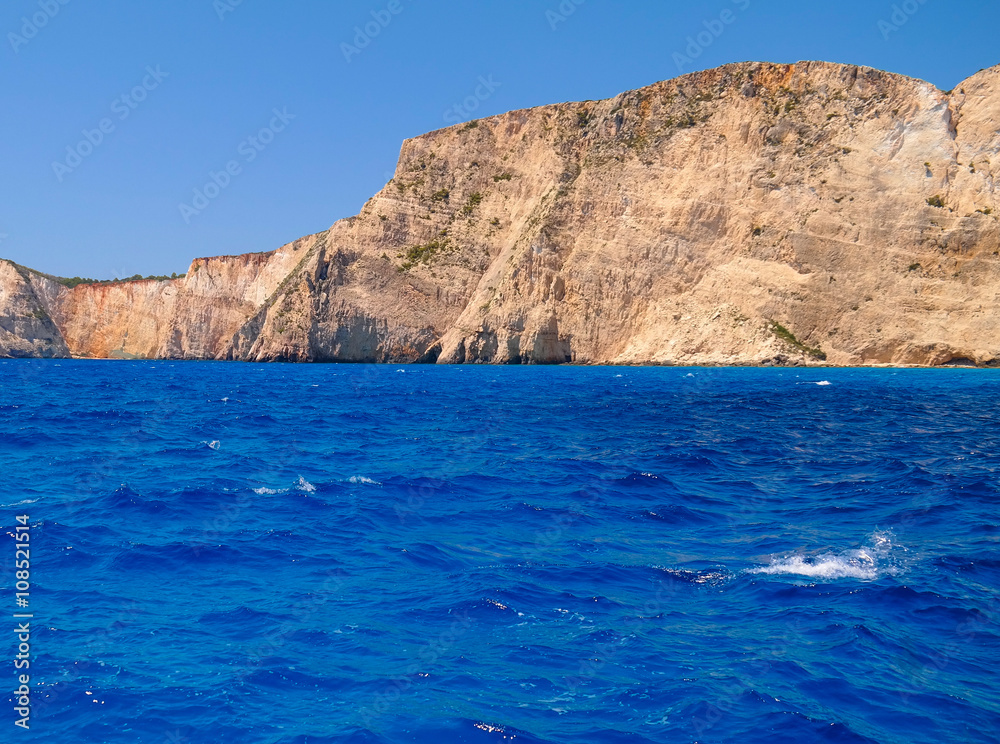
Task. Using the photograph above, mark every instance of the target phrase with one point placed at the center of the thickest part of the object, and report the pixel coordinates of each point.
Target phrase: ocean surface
(317, 554)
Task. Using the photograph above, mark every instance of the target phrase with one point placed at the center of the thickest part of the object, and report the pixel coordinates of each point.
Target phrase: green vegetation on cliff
(77, 280)
(789, 338)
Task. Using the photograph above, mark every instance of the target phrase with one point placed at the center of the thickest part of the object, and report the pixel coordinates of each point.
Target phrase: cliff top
(770, 75)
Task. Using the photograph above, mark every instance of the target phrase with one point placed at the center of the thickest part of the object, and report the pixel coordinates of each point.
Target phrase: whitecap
(363, 479)
(873, 560)
(831, 567)
(713, 577)
(824, 382)
(300, 485)
(20, 503)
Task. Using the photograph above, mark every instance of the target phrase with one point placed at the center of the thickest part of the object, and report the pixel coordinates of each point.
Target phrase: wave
(873, 560)
(711, 577)
(364, 480)
(19, 503)
(300, 485)
(675, 514)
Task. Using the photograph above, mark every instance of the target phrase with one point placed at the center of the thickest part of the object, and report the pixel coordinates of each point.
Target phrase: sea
(321, 554)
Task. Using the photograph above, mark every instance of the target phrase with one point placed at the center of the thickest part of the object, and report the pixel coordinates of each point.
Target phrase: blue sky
(115, 112)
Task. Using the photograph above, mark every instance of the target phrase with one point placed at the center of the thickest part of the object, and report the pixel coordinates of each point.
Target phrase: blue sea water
(317, 554)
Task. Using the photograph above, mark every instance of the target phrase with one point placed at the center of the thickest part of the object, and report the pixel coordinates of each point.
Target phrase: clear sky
(180, 87)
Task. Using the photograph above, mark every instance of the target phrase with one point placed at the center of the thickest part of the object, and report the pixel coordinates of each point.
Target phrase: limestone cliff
(193, 317)
(756, 213)
(26, 330)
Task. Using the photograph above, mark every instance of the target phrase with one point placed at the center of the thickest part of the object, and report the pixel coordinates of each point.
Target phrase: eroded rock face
(26, 330)
(194, 317)
(752, 214)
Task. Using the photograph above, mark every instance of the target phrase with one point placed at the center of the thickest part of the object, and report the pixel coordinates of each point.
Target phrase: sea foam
(873, 560)
(364, 480)
(300, 485)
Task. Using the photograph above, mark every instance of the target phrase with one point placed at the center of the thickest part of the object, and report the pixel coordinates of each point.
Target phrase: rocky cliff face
(752, 214)
(26, 330)
(194, 317)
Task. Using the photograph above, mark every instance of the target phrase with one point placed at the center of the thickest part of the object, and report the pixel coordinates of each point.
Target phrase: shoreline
(610, 365)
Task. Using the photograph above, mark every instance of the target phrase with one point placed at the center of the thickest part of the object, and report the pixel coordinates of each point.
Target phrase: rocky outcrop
(193, 317)
(26, 329)
(752, 214)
